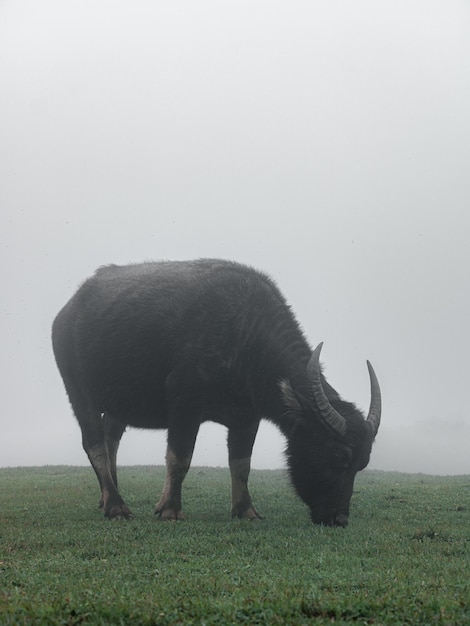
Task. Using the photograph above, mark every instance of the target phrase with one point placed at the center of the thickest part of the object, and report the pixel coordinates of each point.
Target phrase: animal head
(328, 442)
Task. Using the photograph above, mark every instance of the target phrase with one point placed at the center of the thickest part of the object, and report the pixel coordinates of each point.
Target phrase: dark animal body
(173, 344)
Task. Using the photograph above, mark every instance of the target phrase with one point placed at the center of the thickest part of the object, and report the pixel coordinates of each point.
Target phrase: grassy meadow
(404, 558)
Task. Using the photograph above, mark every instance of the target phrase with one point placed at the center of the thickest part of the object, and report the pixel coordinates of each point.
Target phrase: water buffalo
(173, 344)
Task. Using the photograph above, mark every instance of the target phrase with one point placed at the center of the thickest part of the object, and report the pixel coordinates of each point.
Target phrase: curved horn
(375, 409)
(330, 415)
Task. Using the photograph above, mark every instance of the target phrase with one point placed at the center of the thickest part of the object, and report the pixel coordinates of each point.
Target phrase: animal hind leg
(89, 418)
(113, 431)
(95, 445)
(240, 446)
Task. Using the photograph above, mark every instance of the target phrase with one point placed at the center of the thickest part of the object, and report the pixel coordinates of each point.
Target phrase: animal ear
(289, 397)
(296, 406)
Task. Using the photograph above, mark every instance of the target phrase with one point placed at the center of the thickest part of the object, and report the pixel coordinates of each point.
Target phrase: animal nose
(341, 519)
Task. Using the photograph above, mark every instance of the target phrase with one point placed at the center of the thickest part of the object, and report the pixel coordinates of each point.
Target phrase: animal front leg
(169, 505)
(242, 505)
(240, 445)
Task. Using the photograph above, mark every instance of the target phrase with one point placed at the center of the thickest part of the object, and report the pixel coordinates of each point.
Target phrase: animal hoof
(169, 515)
(250, 514)
(119, 512)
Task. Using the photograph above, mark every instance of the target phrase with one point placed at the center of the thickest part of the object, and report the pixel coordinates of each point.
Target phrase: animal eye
(342, 457)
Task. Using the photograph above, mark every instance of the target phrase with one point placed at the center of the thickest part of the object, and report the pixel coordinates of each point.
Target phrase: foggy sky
(324, 142)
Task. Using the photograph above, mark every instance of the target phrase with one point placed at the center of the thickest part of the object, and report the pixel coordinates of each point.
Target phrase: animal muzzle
(341, 518)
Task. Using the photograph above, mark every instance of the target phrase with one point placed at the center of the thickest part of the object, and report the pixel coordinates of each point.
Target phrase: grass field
(404, 558)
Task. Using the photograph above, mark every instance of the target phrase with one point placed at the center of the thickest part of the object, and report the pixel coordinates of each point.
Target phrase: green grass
(404, 559)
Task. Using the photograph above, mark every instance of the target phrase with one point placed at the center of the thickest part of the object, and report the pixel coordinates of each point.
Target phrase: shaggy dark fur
(172, 344)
